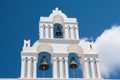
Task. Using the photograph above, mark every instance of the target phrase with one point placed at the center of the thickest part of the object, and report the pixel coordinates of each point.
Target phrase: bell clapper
(73, 73)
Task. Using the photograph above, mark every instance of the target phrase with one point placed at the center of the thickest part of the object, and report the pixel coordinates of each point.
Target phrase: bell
(44, 65)
(73, 63)
(58, 32)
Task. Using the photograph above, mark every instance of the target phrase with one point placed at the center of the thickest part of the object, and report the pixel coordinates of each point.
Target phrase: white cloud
(109, 48)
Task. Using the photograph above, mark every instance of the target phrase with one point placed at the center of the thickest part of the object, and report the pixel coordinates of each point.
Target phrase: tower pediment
(59, 15)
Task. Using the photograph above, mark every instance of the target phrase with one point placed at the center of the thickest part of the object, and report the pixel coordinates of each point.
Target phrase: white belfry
(59, 37)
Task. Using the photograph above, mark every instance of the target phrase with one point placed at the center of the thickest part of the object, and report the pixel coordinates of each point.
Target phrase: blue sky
(19, 20)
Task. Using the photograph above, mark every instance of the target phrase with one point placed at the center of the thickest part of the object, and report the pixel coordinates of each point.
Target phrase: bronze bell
(73, 63)
(58, 32)
(44, 64)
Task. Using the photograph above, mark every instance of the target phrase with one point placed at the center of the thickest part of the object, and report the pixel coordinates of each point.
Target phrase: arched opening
(75, 72)
(44, 73)
(58, 30)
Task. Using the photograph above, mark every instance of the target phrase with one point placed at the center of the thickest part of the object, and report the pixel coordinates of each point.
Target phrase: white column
(76, 33)
(55, 68)
(41, 32)
(51, 32)
(66, 33)
(34, 68)
(72, 32)
(69, 33)
(64, 74)
(61, 67)
(58, 68)
(66, 68)
(23, 68)
(89, 68)
(29, 69)
(32, 62)
(98, 69)
(86, 67)
(46, 32)
(93, 68)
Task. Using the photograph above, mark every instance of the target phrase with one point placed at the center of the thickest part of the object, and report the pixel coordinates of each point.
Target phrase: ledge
(56, 79)
(58, 40)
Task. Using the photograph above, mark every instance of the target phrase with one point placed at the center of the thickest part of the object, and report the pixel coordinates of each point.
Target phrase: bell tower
(59, 38)
(66, 28)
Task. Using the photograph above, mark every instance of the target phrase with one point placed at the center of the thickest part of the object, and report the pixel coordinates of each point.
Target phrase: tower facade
(59, 37)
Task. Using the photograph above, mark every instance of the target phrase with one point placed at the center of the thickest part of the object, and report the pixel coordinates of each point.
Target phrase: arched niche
(45, 47)
(41, 73)
(76, 49)
(77, 72)
(58, 28)
(58, 21)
